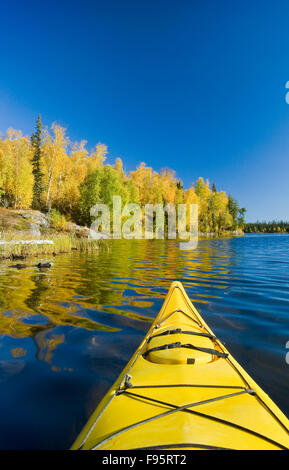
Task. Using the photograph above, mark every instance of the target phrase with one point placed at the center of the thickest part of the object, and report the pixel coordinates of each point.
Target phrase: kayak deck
(182, 389)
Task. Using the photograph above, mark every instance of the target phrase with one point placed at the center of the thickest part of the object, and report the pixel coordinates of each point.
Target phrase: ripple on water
(66, 333)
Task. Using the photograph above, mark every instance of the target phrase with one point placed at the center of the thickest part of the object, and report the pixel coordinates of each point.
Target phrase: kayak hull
(182, 389)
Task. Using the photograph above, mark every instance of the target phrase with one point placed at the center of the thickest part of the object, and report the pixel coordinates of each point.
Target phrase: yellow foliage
(16, 171)
(65, 167)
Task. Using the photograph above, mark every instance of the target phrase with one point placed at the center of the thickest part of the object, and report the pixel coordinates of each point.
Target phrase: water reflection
(66, 332)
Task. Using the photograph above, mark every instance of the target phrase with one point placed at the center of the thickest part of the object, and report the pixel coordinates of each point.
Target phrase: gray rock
(78, 230)
(34, 230)
(36, 217)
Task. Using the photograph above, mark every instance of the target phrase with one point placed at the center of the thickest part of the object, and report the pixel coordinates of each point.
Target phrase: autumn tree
(202, 190)
(51, 172)
(118, 166)
(73, 174)
(16, 170)
(54, 159)
(97, 157)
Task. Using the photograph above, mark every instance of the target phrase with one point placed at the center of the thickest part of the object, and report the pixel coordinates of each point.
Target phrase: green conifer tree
(36, 165)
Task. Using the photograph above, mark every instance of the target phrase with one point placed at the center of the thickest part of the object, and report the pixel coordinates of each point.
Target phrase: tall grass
(62, 243)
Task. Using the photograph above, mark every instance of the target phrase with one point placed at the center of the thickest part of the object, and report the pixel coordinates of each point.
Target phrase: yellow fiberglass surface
(182, 389)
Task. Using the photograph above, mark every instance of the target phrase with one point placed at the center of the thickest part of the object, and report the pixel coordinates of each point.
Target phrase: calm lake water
(67, 332)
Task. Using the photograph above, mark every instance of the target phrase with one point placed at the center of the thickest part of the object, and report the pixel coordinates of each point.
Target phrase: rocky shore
(33, 224)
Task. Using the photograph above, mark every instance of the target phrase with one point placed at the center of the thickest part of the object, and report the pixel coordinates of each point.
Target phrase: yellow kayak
(182, 389)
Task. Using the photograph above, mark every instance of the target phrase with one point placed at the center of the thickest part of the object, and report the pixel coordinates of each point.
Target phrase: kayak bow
(182, 389)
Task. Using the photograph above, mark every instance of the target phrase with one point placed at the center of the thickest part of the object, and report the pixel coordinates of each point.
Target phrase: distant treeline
(267, 227)
(48, 172)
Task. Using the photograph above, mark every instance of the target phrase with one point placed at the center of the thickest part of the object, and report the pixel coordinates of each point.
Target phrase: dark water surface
(67, 332)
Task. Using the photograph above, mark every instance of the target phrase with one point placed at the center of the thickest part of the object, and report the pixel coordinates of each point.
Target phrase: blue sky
(197, 86)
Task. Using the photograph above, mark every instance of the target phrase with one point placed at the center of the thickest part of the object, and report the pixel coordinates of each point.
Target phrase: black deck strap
(214, 352)
(177, 331)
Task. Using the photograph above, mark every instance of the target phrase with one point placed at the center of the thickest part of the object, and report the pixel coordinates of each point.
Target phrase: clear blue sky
(197, 86)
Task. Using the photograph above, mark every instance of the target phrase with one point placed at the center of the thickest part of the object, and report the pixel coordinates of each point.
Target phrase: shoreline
(61, 243)
(31, 233)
